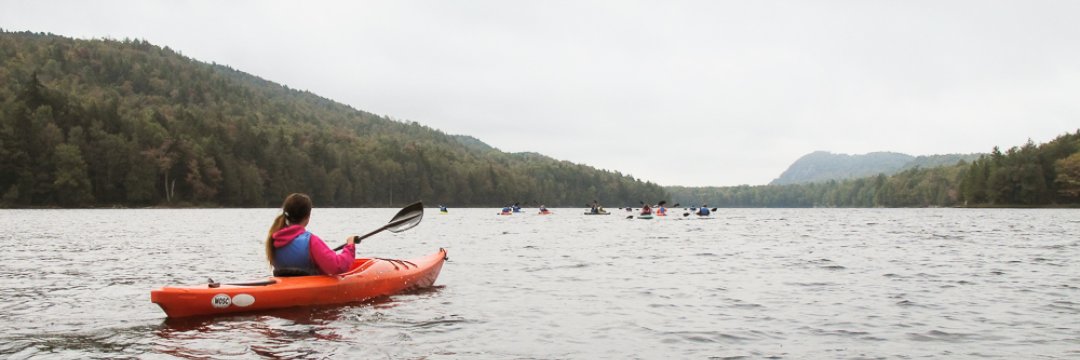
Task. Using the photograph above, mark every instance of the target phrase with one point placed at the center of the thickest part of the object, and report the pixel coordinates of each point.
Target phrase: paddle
(405, 219)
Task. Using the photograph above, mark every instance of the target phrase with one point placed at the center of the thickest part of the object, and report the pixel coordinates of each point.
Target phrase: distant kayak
(696, 218)
(366, 279)
(645, 216)
(597, 213)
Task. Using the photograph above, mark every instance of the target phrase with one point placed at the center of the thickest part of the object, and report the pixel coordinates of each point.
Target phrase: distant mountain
(931, 161)
(822, 166)
(1023, 176)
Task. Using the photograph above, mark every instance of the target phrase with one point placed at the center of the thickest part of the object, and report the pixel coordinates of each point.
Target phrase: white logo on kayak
(221, 301)
(243, 300)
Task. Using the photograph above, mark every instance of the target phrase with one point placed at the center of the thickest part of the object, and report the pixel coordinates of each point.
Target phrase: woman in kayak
(294, 251)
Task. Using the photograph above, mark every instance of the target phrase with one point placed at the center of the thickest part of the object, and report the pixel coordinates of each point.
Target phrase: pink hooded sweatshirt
(323, 257)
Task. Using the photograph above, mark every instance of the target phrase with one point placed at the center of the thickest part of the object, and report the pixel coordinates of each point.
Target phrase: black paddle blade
(407, 218)
(661, 203)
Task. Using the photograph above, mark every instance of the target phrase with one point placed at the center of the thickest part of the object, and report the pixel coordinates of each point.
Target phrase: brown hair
(294, 210)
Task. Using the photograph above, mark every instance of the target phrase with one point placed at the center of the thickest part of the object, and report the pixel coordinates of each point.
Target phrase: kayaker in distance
(544, 210)
(294, 251)
(646, 209)
(596, 208)
(703, 210)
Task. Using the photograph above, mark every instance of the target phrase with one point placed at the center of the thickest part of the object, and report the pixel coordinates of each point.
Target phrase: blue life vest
(294, 259)
(703, 211)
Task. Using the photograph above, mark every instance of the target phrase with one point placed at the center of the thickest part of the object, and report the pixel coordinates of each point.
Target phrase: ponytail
(279, 223)
(294, 210)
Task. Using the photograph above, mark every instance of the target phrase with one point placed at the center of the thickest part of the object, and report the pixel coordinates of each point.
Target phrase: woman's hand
(351, 240)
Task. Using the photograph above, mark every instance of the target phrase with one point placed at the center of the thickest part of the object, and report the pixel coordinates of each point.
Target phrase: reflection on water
(747, 283)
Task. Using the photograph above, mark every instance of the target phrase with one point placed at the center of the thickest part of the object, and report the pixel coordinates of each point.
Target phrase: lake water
(748, 283)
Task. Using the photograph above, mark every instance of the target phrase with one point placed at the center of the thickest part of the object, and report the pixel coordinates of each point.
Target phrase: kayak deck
(366, 279)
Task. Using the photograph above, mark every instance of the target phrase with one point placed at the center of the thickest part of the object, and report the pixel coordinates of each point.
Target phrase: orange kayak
(366, 279)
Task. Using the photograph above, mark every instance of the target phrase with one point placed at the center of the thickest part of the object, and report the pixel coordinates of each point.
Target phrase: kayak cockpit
(359, 265)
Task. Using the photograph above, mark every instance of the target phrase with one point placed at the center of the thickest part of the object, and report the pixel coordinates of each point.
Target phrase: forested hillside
(127, 123)
(1028, 175)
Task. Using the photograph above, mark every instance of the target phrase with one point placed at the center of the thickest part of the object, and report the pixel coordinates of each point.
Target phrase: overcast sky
(675, 92)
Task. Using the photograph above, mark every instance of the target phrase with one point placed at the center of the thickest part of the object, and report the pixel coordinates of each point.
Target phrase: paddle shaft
(356, 239)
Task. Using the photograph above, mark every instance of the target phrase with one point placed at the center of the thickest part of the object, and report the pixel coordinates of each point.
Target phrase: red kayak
(366, 279)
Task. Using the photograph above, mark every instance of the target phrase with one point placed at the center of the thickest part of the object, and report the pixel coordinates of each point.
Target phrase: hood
(287, 234)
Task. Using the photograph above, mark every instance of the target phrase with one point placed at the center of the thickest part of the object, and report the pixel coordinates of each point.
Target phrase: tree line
(127, 123)
(1028, 175)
